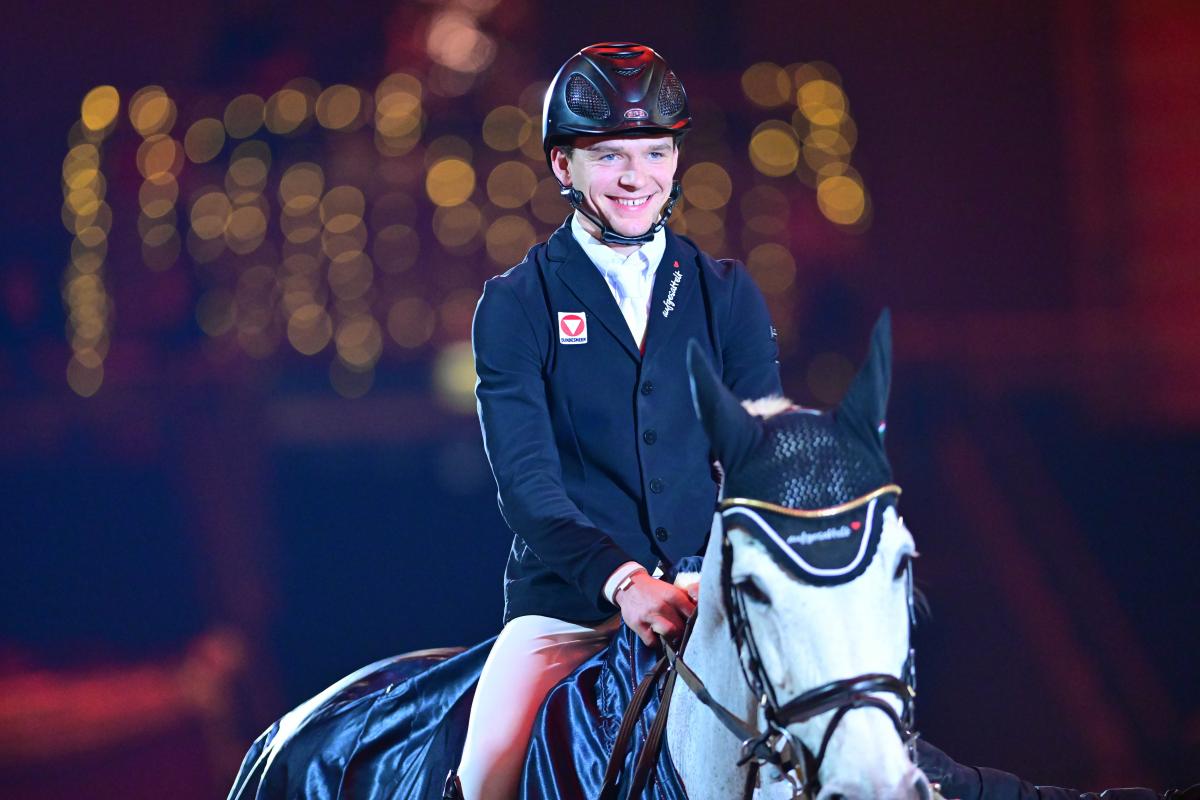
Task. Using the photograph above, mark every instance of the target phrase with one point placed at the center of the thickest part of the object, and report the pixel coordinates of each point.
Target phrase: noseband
(774, 745)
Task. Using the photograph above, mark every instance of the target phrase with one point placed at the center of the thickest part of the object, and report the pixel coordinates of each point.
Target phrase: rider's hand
(650, 606)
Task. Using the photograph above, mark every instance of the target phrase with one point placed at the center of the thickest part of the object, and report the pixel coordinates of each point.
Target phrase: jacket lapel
(674, 282)
(580, 275)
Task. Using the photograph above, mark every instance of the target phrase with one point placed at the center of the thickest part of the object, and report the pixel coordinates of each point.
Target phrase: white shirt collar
(605, 258)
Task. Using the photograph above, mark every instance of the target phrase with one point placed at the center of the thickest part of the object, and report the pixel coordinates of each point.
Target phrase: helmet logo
(636, 113)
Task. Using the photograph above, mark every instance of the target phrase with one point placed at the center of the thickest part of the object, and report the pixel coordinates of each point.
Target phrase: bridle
(773, 744)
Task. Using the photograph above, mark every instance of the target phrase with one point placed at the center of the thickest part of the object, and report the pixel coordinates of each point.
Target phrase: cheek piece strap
(607, 234)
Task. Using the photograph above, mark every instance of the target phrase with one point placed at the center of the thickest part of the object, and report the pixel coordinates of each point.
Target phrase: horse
(806, 600)
(797, 676)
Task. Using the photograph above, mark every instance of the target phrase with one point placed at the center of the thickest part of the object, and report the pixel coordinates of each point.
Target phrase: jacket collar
(673, 287)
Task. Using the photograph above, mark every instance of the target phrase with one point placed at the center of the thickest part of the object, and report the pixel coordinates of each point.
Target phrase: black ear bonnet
(806, 461)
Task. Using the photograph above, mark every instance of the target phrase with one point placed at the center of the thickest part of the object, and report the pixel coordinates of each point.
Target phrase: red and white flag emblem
(572, 327)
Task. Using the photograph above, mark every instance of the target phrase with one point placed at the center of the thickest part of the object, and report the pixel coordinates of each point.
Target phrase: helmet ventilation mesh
(584, 99)
(670, 96)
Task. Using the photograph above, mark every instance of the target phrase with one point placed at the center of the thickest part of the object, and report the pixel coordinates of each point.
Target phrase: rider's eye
(903, 566)
(753, 592)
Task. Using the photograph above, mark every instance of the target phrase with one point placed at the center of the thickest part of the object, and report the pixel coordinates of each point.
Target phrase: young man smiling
(602, 469)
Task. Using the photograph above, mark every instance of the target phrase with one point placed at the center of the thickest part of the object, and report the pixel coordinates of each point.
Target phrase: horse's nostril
(923, 791)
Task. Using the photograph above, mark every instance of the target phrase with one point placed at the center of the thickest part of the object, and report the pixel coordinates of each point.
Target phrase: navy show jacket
(597, 453)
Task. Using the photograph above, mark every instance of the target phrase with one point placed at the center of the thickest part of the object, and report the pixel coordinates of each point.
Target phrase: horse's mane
(767, 407)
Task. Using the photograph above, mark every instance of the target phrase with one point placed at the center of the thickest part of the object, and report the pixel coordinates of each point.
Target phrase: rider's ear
(864, 407)
(732, 431)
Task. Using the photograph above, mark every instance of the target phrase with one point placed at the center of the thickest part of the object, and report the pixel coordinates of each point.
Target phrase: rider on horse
(603, 470)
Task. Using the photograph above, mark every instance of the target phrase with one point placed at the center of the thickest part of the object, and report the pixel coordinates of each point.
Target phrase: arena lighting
(383, 241)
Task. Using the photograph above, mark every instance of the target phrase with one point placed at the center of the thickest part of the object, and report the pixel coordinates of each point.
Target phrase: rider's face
(625, 180)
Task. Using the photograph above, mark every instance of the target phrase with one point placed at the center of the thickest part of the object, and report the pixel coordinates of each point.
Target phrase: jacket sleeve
(749, 351)
(981, 783)
(519, 441)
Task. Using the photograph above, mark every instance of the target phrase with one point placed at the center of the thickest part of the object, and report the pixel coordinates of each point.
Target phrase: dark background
(209, 539)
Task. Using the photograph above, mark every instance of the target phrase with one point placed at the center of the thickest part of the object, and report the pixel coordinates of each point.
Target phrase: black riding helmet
(614, 88)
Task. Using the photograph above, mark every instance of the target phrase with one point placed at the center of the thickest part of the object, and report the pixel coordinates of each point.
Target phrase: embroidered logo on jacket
(672, 288)
(572, 327)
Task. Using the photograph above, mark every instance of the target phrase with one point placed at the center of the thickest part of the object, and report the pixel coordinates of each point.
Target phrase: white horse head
(806, 596)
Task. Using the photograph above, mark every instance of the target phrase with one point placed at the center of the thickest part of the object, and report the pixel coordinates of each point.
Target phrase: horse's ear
(865, 405)
(732, 431)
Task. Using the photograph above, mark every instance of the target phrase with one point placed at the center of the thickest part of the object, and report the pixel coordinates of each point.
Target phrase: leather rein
(771, 744)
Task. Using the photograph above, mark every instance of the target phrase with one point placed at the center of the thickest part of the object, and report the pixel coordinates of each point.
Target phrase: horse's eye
(903, 566)
(753, 592)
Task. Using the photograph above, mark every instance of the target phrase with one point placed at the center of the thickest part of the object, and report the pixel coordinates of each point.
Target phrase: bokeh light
(396, 248)
(508, 239)
(455, 41)
(766, 85)
(511, 184)
(454, 377)
(822, 102)
(99, 108)
(772, 267)
(842, 198)
(774, 149)
(707, 185)
(151, 111)
(457, 227)
(339, 107)
(359, 342)
(244, 115)
(450, 182)
(410, 322)
(309, 329)
(507, 128)
(286, 110)
(204, 140)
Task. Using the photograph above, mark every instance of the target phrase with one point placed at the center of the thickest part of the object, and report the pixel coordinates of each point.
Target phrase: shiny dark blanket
(395, 728)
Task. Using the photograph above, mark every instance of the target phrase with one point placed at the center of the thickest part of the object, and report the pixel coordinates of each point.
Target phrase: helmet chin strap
(607, 234)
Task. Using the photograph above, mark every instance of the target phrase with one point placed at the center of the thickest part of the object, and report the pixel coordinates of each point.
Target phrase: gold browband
(832, 511)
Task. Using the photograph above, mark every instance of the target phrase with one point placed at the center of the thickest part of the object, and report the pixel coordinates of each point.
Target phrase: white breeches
(531, 654)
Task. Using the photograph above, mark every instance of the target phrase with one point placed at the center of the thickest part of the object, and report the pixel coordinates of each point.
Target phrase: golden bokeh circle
(100, 107)
(707, 185)
(508, 239)
(244, 115)
(83, 379)
(204, 140)
(822, 101)
(342, 208)
(772, 267)
(309, 329)
(286, 110)
(301, 187)
(511, 184)
(396, 247)
(506, 128)
(450, 182)
(457, 227)
(339, 107)
(766, 85)
(774, 149)
(842, 198)
(410, 322)
(210, 214)
(359, 342)
(151, 111)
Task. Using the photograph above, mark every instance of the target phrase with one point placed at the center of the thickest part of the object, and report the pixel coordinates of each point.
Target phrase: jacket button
(650, 437)
(647, 387)
(656, 485)
(661, 534)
